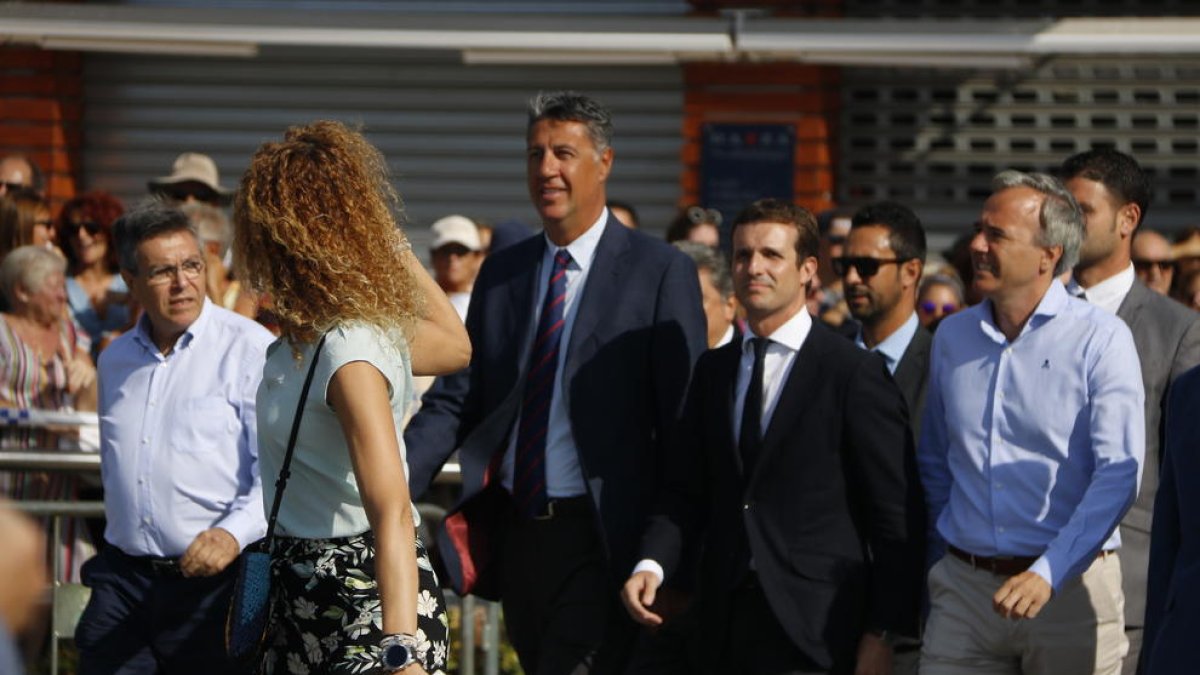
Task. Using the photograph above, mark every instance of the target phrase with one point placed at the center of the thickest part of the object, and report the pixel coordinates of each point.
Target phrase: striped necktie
(529, 467)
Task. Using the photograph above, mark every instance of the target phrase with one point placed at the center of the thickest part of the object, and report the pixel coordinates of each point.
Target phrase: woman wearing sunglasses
(940, 295)
(97, 295)
(353, 589)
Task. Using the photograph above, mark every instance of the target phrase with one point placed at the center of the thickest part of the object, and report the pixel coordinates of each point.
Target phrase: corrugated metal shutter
(453, 134)
(934, 139)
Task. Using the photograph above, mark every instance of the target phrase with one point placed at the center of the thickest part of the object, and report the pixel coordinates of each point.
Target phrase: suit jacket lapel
(801, 381)
(725, 427)
(523, 293)
(914, 361)
(1131, 306)
(600, 292)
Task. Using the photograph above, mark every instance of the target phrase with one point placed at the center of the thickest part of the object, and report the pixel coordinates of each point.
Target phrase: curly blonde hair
(314, 228)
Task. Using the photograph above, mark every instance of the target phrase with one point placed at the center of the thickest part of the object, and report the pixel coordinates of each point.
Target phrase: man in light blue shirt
(179, 462)
(1030, 453)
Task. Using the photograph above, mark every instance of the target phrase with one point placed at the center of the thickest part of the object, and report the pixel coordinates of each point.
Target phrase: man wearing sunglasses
(1114, 193)
(1153, 260)
(881, 271)
(19, 172)
(193, 178)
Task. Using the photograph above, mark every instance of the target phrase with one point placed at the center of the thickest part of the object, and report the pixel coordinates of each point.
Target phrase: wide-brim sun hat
(193, 167)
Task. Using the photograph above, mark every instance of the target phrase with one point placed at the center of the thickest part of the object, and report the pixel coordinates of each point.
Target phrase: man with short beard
(880, 273)
(1114, 192)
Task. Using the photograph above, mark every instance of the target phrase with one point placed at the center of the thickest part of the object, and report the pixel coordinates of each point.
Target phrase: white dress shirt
(178, 441)
(564, 478)
(784, 344)
(1108, 294)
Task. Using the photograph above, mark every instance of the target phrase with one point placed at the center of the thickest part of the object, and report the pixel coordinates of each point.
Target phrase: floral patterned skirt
(325, 613)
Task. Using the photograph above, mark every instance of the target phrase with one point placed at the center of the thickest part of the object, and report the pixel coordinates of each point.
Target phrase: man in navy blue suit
(583, 342)
(1173, 592)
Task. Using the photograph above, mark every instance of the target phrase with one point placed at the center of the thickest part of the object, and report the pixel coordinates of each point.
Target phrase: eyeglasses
(1146, 265)
(928, 307)
(835, 239)
(867, 267)
(93, 228)
(165, 274)
(700, 216)
(13, 187)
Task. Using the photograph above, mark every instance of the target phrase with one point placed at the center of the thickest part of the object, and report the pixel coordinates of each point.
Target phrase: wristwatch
(397, 651)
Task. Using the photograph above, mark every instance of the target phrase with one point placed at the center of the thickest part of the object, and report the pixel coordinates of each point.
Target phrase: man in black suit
(885, 254)
(583, 341)
(794, 460)
(1114, 193)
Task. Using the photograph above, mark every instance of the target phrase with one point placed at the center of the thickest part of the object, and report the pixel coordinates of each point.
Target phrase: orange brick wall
(806, 96)
(40, 112)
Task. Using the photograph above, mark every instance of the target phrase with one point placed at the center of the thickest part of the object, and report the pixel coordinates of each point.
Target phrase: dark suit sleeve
(1166, 535)
(680, 337)
(882, 476)
(448, 412)
(678, 512)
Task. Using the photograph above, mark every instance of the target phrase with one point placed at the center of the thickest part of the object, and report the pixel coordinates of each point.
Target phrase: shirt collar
(1107, 293)
(583, 249)
(1053, 301)
(142, 332)
(893, 346)
(791, 334)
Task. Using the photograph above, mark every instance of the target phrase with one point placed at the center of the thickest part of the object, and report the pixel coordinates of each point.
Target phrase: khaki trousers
(1081, 630)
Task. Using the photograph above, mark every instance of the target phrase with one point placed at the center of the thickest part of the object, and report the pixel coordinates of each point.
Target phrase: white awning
(572, 39)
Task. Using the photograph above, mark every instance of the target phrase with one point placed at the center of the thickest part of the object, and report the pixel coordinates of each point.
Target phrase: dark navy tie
(750, 437)
(529, 467)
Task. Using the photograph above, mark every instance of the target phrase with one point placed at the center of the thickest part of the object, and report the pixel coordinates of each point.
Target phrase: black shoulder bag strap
(285, 470)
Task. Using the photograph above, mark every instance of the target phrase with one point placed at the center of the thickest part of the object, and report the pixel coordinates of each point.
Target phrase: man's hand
(209, 553)
(874, 656)
(1022, 596)
(638, 595)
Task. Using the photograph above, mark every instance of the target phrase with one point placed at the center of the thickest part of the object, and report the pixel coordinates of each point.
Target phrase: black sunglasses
(93, 228)
(1145, 265)
(13, 187)
(928, 307)
(180, 193)
(867, 267)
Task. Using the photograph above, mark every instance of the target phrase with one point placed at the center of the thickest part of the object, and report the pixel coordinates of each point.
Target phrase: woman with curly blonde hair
(353, 588)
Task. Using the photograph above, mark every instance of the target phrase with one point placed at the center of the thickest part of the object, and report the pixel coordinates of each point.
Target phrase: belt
(1003, 565)
(152, 565)
(566, 507)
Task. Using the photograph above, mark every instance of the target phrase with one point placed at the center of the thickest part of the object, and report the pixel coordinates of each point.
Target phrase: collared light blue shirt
(1033, 447)
(178, 439)
(564, 478)
(892, 347)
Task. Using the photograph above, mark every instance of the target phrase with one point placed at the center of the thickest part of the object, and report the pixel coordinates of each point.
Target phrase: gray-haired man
(1030, 453)
(178, 446)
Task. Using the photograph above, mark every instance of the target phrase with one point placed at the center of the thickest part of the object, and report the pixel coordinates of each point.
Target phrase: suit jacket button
(746, 506)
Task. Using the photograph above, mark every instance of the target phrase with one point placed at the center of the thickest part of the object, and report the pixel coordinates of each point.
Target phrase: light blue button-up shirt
(1033, 447)
(178, 441)
(892, 348)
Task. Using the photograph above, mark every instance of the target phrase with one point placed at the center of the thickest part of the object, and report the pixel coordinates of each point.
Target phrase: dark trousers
(146, 618)
(561, 606)
(757, 643)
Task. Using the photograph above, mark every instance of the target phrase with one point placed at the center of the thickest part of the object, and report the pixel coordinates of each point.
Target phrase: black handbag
(247, 622)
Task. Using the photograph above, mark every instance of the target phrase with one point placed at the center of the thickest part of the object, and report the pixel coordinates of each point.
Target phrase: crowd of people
(777, 442)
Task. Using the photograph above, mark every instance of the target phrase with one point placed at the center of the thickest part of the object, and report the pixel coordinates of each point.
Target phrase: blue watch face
(395, 655)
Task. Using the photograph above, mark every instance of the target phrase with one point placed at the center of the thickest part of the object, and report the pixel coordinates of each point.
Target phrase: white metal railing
(68, 600)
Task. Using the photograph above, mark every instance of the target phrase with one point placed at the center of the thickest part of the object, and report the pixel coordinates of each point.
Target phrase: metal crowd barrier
(68, 600)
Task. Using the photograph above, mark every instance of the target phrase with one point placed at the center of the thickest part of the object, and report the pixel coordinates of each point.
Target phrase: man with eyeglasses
(182, 493)
(1114, 193)
(1153, 261)
(880, 273)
